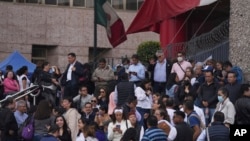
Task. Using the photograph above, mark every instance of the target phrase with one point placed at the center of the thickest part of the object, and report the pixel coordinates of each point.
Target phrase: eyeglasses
(93, 101)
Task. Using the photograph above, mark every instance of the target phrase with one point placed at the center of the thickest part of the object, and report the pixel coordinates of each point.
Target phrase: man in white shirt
(136, 71)
(70, 78)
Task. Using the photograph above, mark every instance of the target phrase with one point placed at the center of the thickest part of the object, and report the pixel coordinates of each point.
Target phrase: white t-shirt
(80, 137)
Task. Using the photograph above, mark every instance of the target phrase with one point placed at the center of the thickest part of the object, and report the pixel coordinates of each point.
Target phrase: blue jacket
(49, 137)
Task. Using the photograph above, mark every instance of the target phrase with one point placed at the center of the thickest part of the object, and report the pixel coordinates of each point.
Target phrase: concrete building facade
(60, 30)
(239, 35)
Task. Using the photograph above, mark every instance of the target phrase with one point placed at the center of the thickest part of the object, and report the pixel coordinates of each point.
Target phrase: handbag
(27, 131)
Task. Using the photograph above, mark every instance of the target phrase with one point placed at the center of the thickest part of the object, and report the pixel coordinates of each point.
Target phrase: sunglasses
(93, 101)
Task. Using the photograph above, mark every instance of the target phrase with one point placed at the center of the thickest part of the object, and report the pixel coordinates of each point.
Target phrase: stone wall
(70, 29)
(239, 36)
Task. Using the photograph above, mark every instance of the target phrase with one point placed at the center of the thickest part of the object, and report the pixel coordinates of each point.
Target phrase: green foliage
(147, 50)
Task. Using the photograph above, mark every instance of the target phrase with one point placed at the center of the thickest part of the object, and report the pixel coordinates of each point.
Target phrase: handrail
(22, 93)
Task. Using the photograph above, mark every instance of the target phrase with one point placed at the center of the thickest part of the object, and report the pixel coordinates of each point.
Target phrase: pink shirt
(176, 68)
(112, 104)
(10, 85)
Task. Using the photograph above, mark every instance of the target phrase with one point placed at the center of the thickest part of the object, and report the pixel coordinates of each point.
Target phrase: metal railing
(32, 91)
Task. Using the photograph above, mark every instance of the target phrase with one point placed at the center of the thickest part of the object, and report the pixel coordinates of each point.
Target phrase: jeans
(160, 87)
(209, 115)
(37, 137)
(142, 111)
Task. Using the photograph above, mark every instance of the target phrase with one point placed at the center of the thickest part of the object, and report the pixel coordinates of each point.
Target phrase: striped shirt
(154, 134)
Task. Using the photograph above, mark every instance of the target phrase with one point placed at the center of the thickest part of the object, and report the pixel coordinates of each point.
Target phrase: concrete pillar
(239, 36)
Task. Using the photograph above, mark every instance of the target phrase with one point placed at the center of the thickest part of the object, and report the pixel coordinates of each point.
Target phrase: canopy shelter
(17, 60)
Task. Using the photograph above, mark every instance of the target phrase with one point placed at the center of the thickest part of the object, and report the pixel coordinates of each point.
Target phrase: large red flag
(153, 12)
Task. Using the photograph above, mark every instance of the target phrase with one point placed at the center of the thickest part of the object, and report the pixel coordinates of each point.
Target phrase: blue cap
(207, 68)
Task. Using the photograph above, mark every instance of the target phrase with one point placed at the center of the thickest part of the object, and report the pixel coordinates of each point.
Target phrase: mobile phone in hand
(118, 126)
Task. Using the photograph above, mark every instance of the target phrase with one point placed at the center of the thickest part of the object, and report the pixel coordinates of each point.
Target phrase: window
(32, 1)
(79, 3)
(52, 2)
(117, 4)
(39, 53)
(63, 2)
(7, 0)
(90, 3)
(131, 4)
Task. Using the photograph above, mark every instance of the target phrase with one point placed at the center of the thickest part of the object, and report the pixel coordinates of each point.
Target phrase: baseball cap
(207, 68)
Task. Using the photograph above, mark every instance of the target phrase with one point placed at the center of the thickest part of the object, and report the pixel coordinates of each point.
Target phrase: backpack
(202, 126)
(239, 74)
(26, 130)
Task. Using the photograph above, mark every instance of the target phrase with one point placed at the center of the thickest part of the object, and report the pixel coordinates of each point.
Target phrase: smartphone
(118, 126)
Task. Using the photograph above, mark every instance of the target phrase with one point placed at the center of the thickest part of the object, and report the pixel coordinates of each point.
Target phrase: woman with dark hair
(82, 122)
(129, 135)
(102, 117)
(158, 105)
(99, 133)
(144, 98)
(219, 73)
(23, 80)
(172, 85)
(139, 130)
(10, 83)
(90, 132)
(71, 116)
(64, 132)
(102, 98)
(186, 89)
(43, 119)
(164, 123)
(118, 126)
(225, 106)
(189, 73)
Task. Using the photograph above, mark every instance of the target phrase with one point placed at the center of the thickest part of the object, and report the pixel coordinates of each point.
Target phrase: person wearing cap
(181, 65)
(160, 72)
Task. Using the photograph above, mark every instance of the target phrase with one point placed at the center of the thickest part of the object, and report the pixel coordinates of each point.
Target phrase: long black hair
(171, 80)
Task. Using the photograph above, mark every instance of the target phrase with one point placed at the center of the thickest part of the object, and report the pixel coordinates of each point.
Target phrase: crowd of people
(169, 100)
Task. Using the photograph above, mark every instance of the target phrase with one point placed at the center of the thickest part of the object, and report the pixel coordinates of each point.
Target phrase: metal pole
(95, 34)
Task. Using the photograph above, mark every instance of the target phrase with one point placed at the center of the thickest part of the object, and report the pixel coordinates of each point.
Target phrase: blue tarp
(17, 60)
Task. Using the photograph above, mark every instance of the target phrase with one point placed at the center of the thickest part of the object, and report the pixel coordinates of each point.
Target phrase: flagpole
(95, 35)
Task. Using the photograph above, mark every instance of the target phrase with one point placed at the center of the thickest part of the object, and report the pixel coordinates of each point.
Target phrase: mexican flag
(107, 17)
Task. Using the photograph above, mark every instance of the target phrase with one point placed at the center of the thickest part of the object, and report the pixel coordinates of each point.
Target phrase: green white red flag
(107, 17)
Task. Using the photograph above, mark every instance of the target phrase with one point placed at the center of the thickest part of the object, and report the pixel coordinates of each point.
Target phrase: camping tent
(17, 60)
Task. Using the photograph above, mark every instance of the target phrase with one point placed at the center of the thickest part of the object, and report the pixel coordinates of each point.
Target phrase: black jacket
(242, 107)
(209, 93)
(8, 122)
(233, 91)
(124, 90)
(75, 76)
